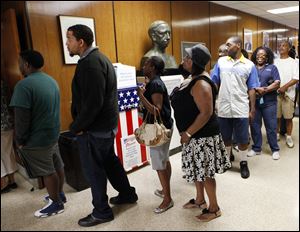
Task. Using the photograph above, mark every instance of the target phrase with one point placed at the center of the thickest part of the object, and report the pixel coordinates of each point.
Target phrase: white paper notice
(171, 82)
(126, 75)
(131, 152)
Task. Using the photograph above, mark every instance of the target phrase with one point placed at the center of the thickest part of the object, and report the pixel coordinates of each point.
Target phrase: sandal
(6, 189)
(13, 185)
(192, 204)
(161, 210)
(159, 193)
(207, 216)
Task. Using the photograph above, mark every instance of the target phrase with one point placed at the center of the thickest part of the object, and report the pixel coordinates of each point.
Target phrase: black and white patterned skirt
(204, 157)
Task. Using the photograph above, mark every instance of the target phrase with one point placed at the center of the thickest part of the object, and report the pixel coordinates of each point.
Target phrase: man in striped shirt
(237, 79)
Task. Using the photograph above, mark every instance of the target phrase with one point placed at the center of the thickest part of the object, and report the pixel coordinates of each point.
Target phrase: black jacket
(94, 94)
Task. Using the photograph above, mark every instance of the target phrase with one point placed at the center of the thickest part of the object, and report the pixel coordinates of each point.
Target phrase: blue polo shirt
(267, 75)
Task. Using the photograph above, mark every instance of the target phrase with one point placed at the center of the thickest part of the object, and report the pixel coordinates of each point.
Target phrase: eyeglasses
(187, 57)
(261, 55)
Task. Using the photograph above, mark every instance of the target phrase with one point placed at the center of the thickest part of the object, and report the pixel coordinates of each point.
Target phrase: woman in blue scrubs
(266, 102)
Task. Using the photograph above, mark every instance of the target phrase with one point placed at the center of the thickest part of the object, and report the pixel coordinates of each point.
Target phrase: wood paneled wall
(264, 25)
(278, 30)
(247, 21)
(122, 31)
(223, 24)
(46, 38)
(190, 22)
(291, 33)
(10, 49)
(20, 9)
(132, 20)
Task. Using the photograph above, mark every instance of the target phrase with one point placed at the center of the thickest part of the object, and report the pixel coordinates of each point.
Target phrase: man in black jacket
(95, 114)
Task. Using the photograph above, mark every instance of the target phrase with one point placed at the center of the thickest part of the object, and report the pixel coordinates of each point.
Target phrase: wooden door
(10, 48)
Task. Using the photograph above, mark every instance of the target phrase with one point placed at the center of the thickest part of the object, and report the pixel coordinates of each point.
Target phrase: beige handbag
(152, 135)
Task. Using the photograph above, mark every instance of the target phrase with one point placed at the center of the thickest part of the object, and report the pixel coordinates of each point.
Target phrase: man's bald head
(234, 46)
(222, 51)
(236, 40)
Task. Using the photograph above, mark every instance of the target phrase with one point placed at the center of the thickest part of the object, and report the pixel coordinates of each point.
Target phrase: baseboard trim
(175, 150)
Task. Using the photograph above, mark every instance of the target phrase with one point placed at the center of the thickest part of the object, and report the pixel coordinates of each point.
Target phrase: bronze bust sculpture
(160, 34)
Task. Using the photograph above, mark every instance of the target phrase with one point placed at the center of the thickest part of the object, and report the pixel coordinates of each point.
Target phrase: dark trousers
(99, 163)
(268, 114)
(282, 126)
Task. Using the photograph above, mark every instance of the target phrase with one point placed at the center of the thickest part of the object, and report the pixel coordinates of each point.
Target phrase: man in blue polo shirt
(237, 79)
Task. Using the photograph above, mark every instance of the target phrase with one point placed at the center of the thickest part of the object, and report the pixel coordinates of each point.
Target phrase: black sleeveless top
(186, 110)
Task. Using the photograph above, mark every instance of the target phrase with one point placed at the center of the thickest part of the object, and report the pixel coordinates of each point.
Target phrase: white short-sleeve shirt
(235, 78)
(288, 69)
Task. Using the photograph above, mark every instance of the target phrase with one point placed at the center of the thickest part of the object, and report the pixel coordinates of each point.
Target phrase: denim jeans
(99, 163)
(268, 114)
(237, 127)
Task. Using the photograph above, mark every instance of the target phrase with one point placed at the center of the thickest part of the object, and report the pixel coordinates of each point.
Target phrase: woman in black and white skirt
(203, 152)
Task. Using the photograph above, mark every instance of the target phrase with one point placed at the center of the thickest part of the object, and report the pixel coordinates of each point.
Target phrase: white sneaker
(289, 142)
(278, 137)
(252, 153)
(236, 148)
(50, 209)
(275, 155)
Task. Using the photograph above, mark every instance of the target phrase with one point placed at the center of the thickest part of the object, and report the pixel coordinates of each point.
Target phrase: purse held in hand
(152, 134)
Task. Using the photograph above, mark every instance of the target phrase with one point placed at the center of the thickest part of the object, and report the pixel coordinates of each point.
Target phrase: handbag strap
(159, 116)
(155, 113)
(147, 116)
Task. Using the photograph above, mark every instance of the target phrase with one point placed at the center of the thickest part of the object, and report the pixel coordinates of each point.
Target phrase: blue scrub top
(267, 75)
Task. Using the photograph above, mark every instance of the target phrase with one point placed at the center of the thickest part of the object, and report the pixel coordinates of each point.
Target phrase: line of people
(205, 137)
(275, 98)
(247, 92)
(36, 103)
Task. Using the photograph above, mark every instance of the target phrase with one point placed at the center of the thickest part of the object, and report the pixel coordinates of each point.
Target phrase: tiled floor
(267, 200)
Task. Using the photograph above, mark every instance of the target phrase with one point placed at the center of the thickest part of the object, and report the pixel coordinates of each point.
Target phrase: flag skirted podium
(129, 151)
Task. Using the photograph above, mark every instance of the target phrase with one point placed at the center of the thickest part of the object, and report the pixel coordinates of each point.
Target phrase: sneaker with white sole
(278, 137)
(252, 153)
(61, 195)
(289, 142)
(275, 155)
(50, 209)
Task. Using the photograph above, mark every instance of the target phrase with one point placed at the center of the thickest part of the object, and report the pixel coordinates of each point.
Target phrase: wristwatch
(188, 134)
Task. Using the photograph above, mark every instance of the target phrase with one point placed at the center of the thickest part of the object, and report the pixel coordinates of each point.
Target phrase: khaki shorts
(42, 161)
(285, 107)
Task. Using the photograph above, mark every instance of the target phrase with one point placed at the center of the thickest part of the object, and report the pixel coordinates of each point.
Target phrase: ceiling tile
(259, 8)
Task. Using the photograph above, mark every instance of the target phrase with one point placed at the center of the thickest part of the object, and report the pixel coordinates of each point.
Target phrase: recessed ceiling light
(284, 10)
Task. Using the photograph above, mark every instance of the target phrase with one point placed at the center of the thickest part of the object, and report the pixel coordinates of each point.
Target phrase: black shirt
(186, 110)
(156, 85)
(94, 94)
